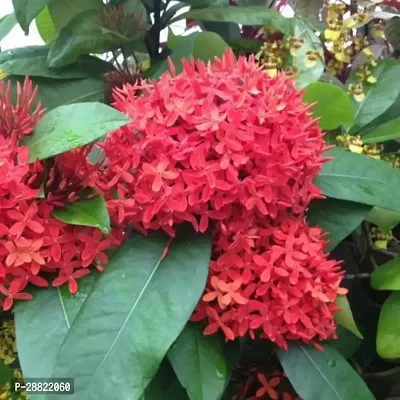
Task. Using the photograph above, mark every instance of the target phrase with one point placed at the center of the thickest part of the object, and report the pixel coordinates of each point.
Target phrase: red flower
(14, 292)
(70, 276)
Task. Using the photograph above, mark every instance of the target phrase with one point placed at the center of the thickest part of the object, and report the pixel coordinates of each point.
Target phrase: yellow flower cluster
(337, 38)
(356, 145)
(3, 75)
(393, 160)
(8, 349)
(380, 238)
(272, 55)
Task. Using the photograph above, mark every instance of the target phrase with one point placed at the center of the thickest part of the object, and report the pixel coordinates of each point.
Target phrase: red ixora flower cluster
(35, 247)
(223, 142)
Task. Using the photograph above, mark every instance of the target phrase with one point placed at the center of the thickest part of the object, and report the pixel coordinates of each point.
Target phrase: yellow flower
(362, 17)
(357, 91)
(272, 72)
(350, 23)
(360, 43)
(292, 71)
(3, 75)
(311, 58)
(371, 79)
(368, 52)
(331, 35)
(294, 45)
(378, 29)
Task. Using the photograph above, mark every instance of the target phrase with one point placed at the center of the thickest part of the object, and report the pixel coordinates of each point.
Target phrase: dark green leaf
(32, 61)
(90, 212)
(382, 383)
(6, 374)
(254, 15)
(388, 335)
(312, 42)
(53, 94)
(45, 26)
(336, 217)
(346, 344)
(392, 32)
(308, 8)
(358, 178)
(388, 131)
(165, 385)
(56, 92)
(229, 31)
(385, 219)
(6, 24)
(62, 12)
(200, 45)
(27, 10)
(317, 375)
(71, 126)
(138, 308)
(199, 363)
(379, 96)
(42, 324)
(387, 276)
(83, 35)
(345, 317)
(333, 105)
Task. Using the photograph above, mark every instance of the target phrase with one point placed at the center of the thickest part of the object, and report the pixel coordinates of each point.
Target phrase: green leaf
(200, 45)
(382, 383)
(165, 385)
(54, 94)
(358, 178)
(32, 61)
(345, 317)
(333, 105)
(90, 212)
(312, 42)
(43, 323)
(392, 32)
(346, 344)
(62, 12)
(199, 363)
(379, 96)
(45, 26)
(308, 8)
(385, 219)
(317, 375)
(336, 217)
(387, 276)
(174, 41)
(254, 15)
(383, 133)
(229, 31)
(6, 24)
(71, 126)
(136, 311)
(27, 10)
(388, 335)
(82, 35)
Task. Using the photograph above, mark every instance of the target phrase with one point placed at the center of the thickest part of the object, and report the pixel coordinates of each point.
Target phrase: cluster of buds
(273, 55)
(356, 145)
(8, 351)
(379, 238)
